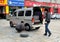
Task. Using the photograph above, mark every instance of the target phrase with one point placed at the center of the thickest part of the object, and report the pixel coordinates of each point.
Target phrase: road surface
(8, 34)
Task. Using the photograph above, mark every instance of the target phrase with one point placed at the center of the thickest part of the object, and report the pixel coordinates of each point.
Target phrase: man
(20, 27)
(47, 21)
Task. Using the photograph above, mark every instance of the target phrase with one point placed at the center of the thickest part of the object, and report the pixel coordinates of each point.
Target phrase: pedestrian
(47, 21)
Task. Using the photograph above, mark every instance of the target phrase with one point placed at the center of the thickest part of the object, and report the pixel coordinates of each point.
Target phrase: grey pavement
(8, 34)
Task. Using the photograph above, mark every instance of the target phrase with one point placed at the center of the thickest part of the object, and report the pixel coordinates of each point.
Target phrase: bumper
(35, 26)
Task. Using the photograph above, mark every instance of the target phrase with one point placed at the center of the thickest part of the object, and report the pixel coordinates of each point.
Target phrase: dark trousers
(47, 29)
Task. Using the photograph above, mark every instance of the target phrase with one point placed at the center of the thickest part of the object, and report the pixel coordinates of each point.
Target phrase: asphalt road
(8, 34)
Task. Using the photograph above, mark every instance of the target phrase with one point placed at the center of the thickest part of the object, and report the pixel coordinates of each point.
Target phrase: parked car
(55, 16)
(29, 17)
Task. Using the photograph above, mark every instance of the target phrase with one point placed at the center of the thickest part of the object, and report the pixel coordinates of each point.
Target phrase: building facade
(15, 4)
(8, 6)
(3, 8)
(52, 5)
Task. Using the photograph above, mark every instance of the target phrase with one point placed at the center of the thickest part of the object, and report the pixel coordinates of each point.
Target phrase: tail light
(32, 20)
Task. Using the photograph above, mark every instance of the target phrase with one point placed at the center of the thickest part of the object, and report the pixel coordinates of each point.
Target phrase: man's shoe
(49, 35)
(45, 34)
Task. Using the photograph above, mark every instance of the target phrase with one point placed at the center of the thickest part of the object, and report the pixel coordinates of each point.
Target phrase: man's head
(46, 11)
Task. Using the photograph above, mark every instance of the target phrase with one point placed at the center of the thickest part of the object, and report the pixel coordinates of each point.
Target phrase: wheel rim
(27, 27)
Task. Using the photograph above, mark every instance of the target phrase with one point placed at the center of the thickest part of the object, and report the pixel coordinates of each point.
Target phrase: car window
(21, 13)
(28, 13)
(36, 13)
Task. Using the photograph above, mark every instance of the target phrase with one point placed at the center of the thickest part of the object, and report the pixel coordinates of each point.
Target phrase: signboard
(16, 2)
(3, 2)
(58, 5)
(32, 3)
(59, 10)
(51, 10)
(29, 3)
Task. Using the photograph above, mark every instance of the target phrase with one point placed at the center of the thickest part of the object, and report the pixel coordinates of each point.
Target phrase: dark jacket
(47, 17)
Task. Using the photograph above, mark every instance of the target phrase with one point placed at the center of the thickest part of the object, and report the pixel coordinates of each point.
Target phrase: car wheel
(27, 28)
(11, 24)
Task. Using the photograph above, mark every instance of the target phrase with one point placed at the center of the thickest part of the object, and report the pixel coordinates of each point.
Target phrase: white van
(29, 16)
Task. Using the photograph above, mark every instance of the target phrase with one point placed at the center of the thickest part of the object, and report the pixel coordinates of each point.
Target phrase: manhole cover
(24, 35)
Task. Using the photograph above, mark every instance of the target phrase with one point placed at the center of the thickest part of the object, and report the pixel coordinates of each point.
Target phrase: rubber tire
(11, 24)
(24, 35)
(28, 27)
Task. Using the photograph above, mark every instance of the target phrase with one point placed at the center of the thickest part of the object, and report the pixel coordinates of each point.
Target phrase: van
(31, 17)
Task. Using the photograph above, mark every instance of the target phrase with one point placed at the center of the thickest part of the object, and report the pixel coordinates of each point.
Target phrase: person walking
(47, 21)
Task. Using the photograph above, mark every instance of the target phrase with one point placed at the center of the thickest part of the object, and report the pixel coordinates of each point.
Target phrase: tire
(27, 27)
(11, 24)
(24, 35)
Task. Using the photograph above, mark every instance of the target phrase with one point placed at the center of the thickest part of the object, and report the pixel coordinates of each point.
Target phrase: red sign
(58, 10)
(58, 5)
(51, 10)
(37, 4)
(43, 3)
(33, 3)
(28, 3)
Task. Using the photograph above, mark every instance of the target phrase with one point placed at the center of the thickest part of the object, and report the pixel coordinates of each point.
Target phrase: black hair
(47, 10)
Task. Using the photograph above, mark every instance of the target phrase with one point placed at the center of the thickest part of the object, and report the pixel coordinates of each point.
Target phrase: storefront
(15, 4)
(3, 4)
(52, 7)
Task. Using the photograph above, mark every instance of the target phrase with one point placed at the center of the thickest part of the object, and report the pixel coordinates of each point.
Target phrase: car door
(28, 16)
(13, 17)
(20, 16)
